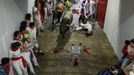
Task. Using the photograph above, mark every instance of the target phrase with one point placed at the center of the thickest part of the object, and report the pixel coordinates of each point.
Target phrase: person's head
(68, 4)
(28, 16)
(72, 44)
(132, 43)
(23, 26)
(84, 46)
(82, 19)
(127, 42)
(5, 61)
(15, 45)
(84, 1)
(80, 44)
(36, 3)
(16, 34)
(31, 25)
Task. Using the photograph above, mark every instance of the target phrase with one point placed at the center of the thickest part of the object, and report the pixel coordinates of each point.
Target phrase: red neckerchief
(16, 39)
(15, 49)
(22, 33)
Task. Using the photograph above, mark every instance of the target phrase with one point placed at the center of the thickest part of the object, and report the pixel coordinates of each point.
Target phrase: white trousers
(19, 67)
(26, 56)
(34, 59)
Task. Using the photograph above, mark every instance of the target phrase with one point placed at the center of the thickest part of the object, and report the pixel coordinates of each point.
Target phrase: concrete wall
(23, 5)
(119, 23)
(111, 25)
(127, 10)
(10, 17)
(30, 5)
(11, 14)
(127, 21)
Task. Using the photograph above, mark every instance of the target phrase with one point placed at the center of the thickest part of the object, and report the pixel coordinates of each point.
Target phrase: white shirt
(35, 13)
(87, 26)
(92, 7)
(16, 53)
(75, 16)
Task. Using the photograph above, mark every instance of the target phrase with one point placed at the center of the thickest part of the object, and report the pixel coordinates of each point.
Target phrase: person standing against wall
(92, 9)
(36, 17)
(17, 61)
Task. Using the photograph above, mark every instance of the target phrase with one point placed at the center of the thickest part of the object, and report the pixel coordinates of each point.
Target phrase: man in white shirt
(92, 9)
(85, 25)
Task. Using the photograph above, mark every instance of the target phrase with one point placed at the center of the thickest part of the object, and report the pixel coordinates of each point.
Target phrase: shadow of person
(61, 42)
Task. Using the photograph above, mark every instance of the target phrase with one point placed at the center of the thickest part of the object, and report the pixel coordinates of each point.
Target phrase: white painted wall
(25, 5)
(127, 30)
(127, 21)
(119, 23)
(10, 18)
(11, 14)
(30, 5)
(111, 25)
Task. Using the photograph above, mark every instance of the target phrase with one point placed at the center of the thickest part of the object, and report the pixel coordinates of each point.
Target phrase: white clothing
(78, 27)
(27, 57)
(16, 53)
(131, 73)
(36, 13)
(92, 7)
(33, 40)
(49, 8)
(87, 26)
(36, 17)
(53, 4)
(28, 22)
(17, 64)
(75, 21)
(87, 7)
(45, 14)
(34, 59)
(48, 18)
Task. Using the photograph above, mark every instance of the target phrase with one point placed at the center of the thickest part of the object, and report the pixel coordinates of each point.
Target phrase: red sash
(23, 60)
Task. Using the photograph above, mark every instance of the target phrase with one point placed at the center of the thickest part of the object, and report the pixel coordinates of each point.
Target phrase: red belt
(23, 60)
(16, 58)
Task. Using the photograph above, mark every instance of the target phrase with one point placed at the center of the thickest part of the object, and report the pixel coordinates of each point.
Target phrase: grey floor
(101, 53)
